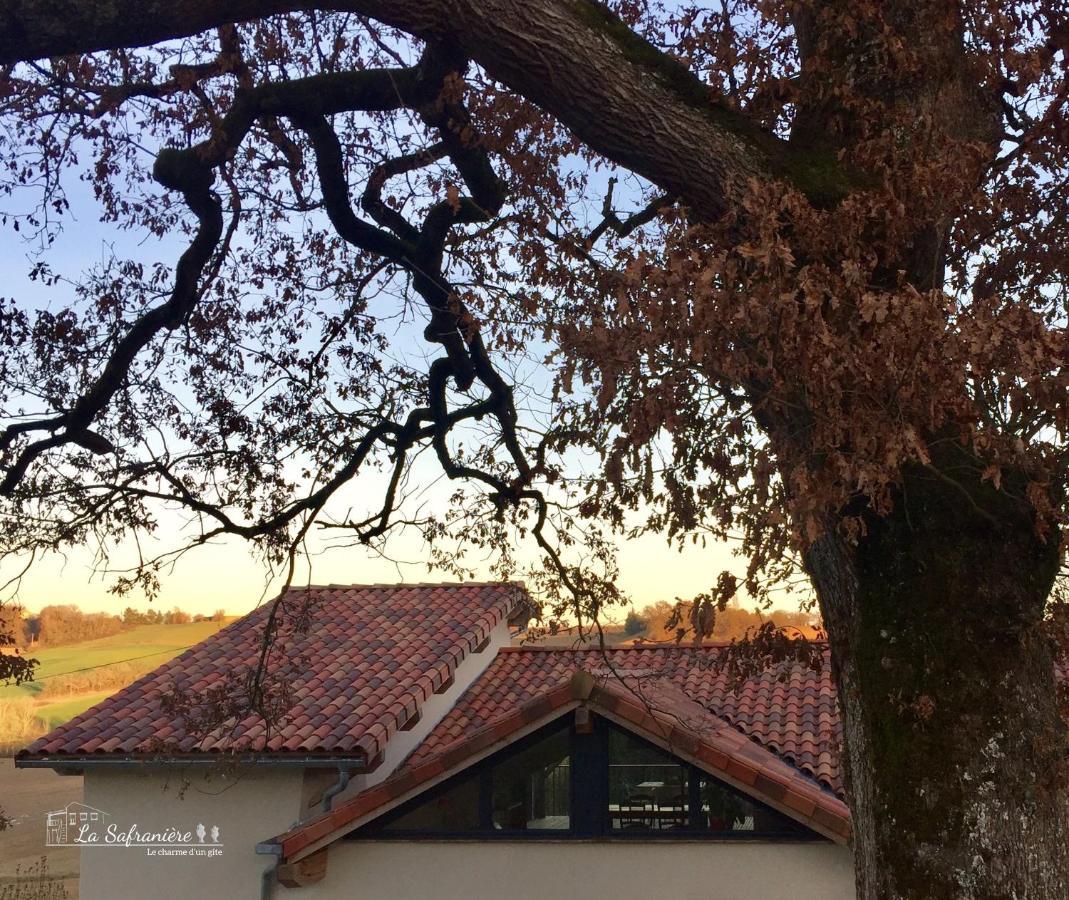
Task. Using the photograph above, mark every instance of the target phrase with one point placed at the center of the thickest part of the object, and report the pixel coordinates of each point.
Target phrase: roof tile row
(791, 711)
(355, 664)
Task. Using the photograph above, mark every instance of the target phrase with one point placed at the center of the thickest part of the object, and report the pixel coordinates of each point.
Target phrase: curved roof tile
(368, 656)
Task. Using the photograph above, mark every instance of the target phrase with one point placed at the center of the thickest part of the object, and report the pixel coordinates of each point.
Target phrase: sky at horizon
(224, 575)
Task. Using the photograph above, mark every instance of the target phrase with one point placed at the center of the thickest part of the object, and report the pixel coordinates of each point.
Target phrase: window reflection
(724, 809)
(648, 789)
(531, 789)
(455, 810)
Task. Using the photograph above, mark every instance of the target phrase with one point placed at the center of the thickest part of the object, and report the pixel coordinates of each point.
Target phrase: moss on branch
(817, 173)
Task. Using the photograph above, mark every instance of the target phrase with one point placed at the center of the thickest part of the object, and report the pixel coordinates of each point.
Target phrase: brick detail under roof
(791, 712)
(371, 656)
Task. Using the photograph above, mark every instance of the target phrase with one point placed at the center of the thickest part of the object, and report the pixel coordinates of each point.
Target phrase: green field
(53, 714)
(74, 677)
(145, 646)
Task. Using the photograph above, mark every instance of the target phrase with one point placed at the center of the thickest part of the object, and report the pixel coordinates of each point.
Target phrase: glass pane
(455, 810)
(531, 789)
(647, 787)
(726, 810)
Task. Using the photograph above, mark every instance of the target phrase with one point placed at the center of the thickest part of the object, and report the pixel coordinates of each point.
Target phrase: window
(724, 809)
(531, 789)
(602, 783)
(652, 792)
(454, 810)
(526, 787)
(648, 789)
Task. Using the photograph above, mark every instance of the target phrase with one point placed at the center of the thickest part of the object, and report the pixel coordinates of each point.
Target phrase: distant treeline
(657, 622)
(67, 624)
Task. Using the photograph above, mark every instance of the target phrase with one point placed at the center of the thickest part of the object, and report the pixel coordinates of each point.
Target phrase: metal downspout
(266, 878)
(344, 774)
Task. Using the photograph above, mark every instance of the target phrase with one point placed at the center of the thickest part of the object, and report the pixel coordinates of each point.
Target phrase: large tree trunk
(954, 748)
(955, 751)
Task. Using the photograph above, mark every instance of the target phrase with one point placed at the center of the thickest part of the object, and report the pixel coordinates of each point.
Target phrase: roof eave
(113, 761)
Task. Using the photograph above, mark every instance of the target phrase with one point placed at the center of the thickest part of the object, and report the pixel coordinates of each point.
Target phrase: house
(423, 754)
(63, 826)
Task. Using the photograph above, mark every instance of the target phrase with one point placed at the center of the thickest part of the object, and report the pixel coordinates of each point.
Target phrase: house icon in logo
(64, 825)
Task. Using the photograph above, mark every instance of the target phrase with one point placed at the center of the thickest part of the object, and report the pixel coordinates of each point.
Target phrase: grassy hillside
(73, 677)
(53, 714)
(28, 795)
(145, 645)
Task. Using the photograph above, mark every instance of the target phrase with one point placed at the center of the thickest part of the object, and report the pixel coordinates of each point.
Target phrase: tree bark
(955, 752)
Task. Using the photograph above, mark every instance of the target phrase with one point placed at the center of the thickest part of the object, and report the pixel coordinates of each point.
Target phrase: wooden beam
(305, 871)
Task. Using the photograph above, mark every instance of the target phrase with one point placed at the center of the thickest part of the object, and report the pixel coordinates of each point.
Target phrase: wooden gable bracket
(305, 871)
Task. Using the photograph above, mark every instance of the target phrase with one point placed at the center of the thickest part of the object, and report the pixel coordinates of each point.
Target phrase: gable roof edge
(306, 838)
(748, 767)
(735, 759)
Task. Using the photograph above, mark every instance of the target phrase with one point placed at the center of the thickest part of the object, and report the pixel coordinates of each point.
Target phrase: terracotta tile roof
(372, 655)
(796, 718)
(652, 706)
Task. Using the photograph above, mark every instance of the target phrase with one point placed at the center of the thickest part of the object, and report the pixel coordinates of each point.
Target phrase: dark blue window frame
(589, 812)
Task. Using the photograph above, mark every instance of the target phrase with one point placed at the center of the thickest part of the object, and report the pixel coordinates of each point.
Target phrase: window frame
(482, 770)
(588, 799)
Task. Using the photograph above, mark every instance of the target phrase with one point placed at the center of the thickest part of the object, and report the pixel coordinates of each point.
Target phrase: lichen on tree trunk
(955, 753)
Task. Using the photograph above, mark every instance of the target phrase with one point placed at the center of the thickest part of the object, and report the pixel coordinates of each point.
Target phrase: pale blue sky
(224, 574)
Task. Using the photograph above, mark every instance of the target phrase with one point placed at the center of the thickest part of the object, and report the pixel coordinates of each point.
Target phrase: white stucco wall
(591, 870)
(249, 806)
(246, 805)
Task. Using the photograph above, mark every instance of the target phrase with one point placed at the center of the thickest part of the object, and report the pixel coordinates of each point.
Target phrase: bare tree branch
(626, 99)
